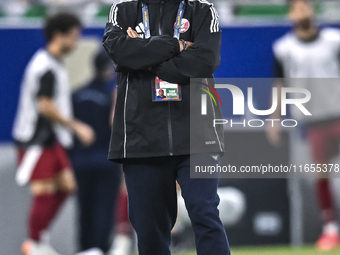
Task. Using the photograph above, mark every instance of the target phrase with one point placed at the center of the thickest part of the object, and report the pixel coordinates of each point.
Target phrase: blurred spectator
(98, 179)
(14, 7)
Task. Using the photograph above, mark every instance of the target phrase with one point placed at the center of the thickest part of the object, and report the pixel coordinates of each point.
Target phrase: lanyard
(178, 23)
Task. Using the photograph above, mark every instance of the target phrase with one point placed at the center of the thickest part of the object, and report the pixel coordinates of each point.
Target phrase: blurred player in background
(98, 179)
(310, 51)
(43, 129)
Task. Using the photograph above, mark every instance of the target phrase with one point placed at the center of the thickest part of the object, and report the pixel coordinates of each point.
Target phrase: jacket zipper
(170, 131)
(161, 14)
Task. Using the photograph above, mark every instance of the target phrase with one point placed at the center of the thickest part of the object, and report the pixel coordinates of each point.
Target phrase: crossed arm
(164, 55)
(133, 34)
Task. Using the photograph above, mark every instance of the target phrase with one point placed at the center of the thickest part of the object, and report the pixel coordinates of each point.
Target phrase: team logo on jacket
(184, 25)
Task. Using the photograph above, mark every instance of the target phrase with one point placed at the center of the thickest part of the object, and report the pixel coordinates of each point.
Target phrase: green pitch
(275, 250)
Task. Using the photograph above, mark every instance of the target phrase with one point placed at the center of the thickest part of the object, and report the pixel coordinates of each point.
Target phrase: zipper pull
(162, 9)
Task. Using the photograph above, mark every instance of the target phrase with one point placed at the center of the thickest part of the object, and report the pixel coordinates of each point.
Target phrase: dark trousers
(151, 185)
(97, 193)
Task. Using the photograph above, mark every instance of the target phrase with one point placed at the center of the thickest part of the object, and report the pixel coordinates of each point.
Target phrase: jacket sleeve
(134, 53)
(200, 60)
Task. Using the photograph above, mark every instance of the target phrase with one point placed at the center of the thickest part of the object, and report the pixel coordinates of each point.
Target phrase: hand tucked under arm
(133, 34)
(199, 61)
(131, 52)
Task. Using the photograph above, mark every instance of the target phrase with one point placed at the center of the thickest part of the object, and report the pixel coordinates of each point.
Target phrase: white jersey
(316, 61)
(29, 126)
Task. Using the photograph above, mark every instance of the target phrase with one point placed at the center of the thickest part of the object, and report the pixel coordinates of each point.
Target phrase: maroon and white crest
(184, 26)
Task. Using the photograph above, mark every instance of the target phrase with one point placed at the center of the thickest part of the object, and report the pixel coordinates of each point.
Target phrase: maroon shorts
(51, 161)
(325, 142)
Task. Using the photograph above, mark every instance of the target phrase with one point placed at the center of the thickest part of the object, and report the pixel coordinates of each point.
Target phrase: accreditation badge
(165, 91)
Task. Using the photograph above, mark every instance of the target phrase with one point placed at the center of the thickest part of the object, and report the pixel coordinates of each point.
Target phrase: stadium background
(287, 207)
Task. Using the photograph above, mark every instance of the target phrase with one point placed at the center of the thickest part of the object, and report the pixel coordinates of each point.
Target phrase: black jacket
(143, 128)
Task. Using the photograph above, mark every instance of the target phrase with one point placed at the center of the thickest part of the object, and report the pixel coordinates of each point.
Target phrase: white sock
(34, 244)
(121, 245)
(331, 228)
(45, 237)
(92, 251)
